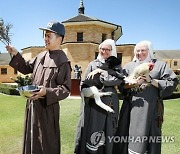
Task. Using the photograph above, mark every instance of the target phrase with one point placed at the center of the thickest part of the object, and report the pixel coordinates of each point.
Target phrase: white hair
(113, 51)
(150, 50)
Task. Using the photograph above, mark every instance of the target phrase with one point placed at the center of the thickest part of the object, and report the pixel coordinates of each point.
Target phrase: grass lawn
(12, 121)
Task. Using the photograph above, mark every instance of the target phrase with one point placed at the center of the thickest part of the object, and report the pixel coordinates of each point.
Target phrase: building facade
(83, 36)
(6, 71)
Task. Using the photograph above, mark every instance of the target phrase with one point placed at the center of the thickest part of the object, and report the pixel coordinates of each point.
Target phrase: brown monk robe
(52, 71)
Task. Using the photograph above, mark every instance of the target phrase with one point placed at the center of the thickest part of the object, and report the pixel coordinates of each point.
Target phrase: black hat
(55, 27)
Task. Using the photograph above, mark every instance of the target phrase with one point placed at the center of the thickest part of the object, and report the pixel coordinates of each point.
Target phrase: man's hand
(11, 50)
(39, 94)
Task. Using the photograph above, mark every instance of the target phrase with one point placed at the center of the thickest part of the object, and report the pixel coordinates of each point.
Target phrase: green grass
(12, 123)
(171, 126)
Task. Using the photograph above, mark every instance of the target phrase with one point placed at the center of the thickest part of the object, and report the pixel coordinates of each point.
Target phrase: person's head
(53, 35)
(106, 49)
(143, 51)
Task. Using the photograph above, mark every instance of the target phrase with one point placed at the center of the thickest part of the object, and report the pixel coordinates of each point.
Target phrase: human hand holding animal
(96, 71)
(140, 72)
(131, 83)
(92, 85)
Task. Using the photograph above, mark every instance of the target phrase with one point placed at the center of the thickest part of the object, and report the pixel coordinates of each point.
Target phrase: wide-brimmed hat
(55, 27)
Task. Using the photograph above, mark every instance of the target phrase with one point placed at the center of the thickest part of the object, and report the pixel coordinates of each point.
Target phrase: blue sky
(154, 20)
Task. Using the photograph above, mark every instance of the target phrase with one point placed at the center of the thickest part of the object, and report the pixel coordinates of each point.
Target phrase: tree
(5, 32)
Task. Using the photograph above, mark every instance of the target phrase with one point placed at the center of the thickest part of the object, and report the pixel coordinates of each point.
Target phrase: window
(15, 71)
(175, 63)
(3, 70)
(96, 54)
(79, 36)
(104, 37)
(119, 56)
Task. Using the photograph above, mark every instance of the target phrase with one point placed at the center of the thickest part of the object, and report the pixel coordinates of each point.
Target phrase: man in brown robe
(52, 71)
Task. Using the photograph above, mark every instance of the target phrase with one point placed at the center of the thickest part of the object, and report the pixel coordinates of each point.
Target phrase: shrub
(9, 89)
(178, 86)
(23, 81)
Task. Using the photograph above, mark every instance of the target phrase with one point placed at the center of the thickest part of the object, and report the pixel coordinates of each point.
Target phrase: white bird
(141, 70)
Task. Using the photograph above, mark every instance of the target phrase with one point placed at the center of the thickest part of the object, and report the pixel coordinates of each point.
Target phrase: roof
(4, 58)
(80, 18)
(83, 19)
(167, 54)
(32, 47)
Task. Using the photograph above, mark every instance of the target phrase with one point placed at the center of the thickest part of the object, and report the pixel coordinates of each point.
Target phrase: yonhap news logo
(141, 139)
(97, 139)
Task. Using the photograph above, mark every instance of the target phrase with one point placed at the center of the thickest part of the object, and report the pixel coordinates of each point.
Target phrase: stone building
(83, 36)
(6, 71)
(171, 57)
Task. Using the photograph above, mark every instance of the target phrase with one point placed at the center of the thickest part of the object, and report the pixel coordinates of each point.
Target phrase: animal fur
(92, 87)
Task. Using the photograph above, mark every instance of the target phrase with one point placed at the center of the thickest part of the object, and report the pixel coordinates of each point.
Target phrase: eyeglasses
(143, 50)
(105, 49)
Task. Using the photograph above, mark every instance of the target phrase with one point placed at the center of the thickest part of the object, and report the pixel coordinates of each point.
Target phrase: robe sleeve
(62, 91)
(167, 82)
(19, 64)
